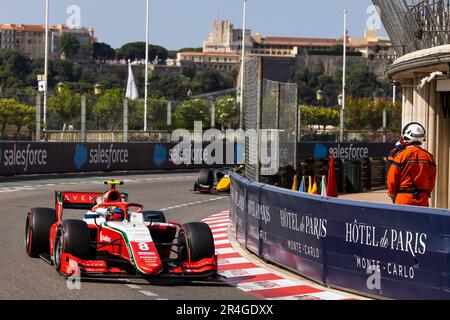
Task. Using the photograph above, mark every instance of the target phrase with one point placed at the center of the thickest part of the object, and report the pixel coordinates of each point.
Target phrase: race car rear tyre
(196, 242)
(72, 237)
(37, 230)
(206, 178)
(154, 216)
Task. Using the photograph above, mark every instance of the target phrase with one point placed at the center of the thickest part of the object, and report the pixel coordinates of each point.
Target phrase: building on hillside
(222, 50)
(226, 39)
(30, 39)
(221, 61)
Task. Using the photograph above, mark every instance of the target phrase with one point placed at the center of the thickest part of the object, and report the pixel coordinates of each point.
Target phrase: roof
(37, 28)
(299, 41)
(218, 53)
(430, 60)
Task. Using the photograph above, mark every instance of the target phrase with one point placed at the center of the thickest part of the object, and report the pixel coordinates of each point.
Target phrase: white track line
(225, 250)
(263, 285)
(218, 225)
(244, 272)
(148, 293)
(227, 261)
(133, 286)
(219, 242)
(191, 204)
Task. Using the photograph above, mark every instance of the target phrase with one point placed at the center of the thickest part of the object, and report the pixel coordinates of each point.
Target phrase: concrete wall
(282, 68)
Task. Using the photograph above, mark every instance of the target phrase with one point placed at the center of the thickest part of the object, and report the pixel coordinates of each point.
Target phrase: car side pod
(224, 184)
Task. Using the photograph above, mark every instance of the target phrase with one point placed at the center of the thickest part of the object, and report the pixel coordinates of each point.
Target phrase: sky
(177, 24)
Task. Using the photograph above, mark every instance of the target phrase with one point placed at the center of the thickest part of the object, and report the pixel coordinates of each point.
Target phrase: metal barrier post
(213, 114)
(83, 119)
(38, 117)
(125, 120)
(169, 114)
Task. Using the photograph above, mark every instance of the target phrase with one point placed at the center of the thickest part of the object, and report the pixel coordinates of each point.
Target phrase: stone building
(425, 78)
(30, 39)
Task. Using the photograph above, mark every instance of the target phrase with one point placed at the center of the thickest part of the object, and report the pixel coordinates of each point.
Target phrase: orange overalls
(412, 176)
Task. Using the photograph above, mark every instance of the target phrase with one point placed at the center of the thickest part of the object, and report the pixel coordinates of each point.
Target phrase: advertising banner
(376, 249)
(32, 158)
(344, 151)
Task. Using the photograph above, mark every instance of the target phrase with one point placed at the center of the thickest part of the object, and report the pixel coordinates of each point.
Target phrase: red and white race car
(117, 237)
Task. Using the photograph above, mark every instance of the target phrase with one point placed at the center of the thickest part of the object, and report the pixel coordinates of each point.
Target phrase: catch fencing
(268, 106)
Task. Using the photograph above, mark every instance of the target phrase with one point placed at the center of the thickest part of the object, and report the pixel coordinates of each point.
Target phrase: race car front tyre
(37, 230)
(206, 178)
(72, 237)
(195, 242)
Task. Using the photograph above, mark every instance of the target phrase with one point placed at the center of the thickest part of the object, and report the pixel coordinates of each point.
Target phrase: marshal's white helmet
(413, 133)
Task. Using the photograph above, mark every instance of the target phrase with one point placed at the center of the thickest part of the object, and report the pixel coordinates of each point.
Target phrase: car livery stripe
(130, 251)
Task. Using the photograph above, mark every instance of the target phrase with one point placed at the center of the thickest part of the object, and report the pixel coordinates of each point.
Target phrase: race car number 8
(143, 246)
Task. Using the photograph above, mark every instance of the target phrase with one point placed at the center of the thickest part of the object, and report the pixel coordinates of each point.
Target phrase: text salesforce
(108, 156)
(24, 157)
(350, 152)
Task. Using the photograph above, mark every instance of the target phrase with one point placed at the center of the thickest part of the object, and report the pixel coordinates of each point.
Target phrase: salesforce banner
(344, 151)
(376, 249)
(30, 157)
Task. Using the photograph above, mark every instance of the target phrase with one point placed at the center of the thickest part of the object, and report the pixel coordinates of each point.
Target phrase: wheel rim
(28, 234)
(58, 250)
(184, 250)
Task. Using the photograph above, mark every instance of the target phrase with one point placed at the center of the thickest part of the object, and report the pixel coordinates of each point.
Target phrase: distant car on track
(215, 181)
(117, 238)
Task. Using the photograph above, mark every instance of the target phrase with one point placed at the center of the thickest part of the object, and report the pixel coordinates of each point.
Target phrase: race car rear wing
(78, 200)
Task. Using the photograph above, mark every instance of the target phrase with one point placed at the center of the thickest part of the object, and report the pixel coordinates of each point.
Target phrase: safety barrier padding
(378, 250)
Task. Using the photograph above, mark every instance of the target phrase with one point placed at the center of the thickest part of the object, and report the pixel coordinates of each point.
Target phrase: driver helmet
(116, 213)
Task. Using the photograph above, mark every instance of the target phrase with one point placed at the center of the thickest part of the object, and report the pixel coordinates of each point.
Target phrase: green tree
(69, 45)
(361, 81)
(5, 113)
(227, 111)
(211, 80)
(109, 107)
(66, 105)
(319, 116)
(23, 117)
(169, 86)
(136, 51)
(14, 68)
(16, 114)
(367, 114)
(103, 51)
(190, 111)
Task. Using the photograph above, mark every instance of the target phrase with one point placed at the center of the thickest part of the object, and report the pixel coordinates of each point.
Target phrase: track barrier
(377, 250)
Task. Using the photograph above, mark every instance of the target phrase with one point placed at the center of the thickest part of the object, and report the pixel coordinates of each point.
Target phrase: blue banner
(376, 249)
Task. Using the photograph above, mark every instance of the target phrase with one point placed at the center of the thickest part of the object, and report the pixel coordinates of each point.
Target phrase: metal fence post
(169, 114)
(83, 119)
(213, 114)
(259, 118)
(125, 120)
(384, 126)
(38, 117)
(278, 105)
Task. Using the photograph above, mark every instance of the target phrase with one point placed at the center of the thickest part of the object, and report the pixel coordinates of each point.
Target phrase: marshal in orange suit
(412, 176)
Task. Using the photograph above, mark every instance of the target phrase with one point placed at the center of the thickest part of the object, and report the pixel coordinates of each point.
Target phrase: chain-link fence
(72, 116)
(269, 106)
(251, 94)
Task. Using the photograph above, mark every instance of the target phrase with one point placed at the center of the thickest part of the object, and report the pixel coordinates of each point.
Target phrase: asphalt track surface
(22, 277)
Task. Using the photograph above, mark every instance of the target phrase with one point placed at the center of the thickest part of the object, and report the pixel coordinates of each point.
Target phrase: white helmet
(413, 133)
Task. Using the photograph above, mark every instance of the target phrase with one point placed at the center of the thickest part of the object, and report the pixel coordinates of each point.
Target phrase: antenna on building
(219, 3)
